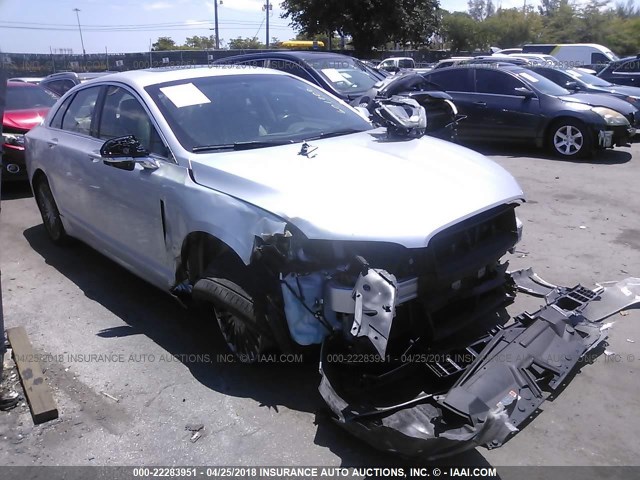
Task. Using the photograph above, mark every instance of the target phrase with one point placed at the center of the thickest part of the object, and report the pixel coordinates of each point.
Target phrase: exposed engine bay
(419, 355)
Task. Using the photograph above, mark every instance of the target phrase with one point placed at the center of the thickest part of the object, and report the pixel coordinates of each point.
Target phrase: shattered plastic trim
(503, 387)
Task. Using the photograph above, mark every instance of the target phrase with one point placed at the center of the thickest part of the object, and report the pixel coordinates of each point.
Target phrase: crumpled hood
(601, 100)
(24, 119)
(363, 187)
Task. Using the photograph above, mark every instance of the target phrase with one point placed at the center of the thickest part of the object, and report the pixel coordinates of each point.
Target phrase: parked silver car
(294, 222)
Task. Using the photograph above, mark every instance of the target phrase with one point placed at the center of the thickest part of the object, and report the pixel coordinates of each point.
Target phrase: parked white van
(574, 54)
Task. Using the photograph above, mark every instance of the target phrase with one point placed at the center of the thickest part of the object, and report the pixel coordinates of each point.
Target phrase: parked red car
(26, 106)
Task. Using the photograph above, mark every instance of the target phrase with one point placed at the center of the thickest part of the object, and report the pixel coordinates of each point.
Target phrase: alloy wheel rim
(49, 213)
(568, 140)
(240, 338)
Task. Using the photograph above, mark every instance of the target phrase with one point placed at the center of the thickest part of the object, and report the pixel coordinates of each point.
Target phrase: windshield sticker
(529, 77)
(333, 75)
(185, 95)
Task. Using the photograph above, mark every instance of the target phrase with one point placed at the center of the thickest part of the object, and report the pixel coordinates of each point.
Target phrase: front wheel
(49, 212)
(242, 322)
(570, 139)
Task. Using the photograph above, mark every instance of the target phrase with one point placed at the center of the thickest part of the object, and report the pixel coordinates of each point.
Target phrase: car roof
(154, 76)
(19, 84)
(509, 67)
(285, 54)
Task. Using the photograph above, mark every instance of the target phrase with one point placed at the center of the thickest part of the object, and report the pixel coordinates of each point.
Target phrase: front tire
(570, 138)
(50, 213)
(242, 320)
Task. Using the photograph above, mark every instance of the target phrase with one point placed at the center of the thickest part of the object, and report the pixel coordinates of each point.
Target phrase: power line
(167, 24)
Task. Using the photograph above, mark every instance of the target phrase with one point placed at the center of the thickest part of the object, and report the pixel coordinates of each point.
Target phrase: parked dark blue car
(345, 77)
(623, 72)
(579, 81)
(513, 104)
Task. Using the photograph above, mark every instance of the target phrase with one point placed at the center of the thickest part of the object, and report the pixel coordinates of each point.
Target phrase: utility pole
(84, 53)
(215, 15)
(267, 7)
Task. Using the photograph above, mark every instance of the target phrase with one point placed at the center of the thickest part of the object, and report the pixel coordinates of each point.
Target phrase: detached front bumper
(496, 393)
(620, 136)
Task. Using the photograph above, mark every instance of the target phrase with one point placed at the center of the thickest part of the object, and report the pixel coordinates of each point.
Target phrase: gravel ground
(131, 404)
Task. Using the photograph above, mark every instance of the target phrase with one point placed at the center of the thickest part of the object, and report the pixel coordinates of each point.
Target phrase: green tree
(511, 27)
(459, 31)
(164, 43)
(477, 9)
(246, 43)
(200, 42)
(369, 23)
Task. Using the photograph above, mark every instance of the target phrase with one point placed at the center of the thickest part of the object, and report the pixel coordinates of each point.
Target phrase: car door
(500, 110)
(130, 197)
(458, 82)
(71, 141)
(627, 73)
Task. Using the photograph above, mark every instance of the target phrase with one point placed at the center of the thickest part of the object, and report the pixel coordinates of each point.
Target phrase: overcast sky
(35, 26)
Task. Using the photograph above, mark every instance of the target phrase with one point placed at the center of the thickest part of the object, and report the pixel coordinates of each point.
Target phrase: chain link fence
(41, 65)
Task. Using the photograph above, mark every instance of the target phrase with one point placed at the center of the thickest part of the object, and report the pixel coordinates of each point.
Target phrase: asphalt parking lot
(148, 378)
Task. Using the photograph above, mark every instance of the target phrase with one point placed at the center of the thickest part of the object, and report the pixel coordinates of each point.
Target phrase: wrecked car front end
(418, 353)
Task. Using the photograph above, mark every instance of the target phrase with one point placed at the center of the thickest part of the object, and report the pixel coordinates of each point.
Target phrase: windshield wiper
(240, 145)
(335, 133)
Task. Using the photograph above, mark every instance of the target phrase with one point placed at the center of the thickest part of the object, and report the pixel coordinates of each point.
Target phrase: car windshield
(587, 78)
(345, 74)
(25, 97)
(251, 111)
(541, 84)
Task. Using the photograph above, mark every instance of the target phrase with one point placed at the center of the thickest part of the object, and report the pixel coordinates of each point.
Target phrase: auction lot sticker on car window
(529, 77)
(333, 74)
(185, 95)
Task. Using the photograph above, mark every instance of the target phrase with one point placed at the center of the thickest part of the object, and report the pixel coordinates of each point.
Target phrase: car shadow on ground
(15, 190)
(151, 312)
(600, 157)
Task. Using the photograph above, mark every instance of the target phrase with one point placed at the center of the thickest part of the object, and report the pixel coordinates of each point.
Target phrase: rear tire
(50, 213)
(570, 138)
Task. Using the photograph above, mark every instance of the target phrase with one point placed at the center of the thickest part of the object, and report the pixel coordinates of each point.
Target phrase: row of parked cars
(502, 98)
(289, 219)
(542, 105)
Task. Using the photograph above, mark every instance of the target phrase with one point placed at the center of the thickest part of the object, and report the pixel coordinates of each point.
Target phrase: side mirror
(123, 147)
(524, 92)
(571, 86)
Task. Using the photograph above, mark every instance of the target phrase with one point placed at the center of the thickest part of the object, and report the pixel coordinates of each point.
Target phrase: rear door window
(405, 63)
(458, 80)
(489, 80)
(59, 86)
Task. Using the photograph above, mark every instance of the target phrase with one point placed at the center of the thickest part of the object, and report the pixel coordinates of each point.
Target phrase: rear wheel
(570, 139)
(49, 212)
